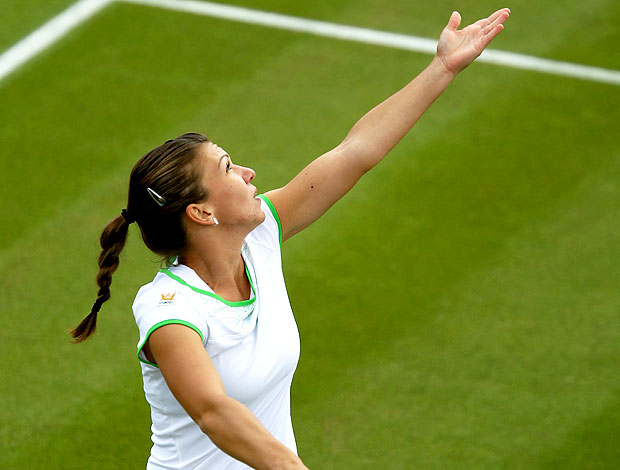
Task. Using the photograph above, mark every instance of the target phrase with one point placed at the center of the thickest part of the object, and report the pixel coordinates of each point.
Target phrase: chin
(261, 217)
(255, 219)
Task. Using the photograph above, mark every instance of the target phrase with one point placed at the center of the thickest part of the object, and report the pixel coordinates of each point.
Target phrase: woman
(218, 342)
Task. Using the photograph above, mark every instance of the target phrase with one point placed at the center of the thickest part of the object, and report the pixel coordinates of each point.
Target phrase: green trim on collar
(241, 303)
(159, 325)
(275, 215)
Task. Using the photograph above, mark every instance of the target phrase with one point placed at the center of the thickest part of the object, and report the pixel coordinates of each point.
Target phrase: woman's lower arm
(234, 429)
(379, 130)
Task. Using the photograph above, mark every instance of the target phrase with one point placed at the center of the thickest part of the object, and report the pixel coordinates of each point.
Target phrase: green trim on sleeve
(159, 325)
(275, 215)
(240, 303)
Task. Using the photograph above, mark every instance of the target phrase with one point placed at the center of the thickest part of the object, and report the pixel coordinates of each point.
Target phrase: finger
(486, 24)
(486, 39)
(498, 20)
(483, 23)
(455, 21)
(498, 13)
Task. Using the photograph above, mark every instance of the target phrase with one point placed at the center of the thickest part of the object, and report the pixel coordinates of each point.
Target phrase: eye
(228, 166)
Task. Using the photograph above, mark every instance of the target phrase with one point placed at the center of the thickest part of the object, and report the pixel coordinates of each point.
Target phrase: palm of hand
(458, 49)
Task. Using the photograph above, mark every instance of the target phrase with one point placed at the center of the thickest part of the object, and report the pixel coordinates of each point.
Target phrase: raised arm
(325, 180)
(195, 383)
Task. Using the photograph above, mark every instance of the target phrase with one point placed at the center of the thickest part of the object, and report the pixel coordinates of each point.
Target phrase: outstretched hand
(458, 49)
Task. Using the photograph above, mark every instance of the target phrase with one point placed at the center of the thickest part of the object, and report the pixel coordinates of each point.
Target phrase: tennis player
(218, 341)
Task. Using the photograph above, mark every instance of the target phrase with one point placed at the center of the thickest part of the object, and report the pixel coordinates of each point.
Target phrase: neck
(218, 262)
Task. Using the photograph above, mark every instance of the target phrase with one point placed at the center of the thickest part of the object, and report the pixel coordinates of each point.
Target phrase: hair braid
(172, 172)
(112, 241)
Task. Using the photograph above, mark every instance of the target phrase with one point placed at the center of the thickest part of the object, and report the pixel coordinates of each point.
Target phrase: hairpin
(156, 197)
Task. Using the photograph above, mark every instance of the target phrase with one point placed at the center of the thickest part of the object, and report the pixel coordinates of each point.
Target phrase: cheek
(226, 193)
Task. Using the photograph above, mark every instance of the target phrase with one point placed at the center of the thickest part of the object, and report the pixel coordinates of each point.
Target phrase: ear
(199, 214)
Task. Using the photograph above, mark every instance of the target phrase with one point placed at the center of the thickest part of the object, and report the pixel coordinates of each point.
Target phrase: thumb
(455, 21)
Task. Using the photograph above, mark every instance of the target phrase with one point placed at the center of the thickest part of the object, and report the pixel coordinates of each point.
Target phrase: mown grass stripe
(379, 38)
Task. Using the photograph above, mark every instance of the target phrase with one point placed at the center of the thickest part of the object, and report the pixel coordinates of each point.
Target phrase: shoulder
(165, 300)
(161, 291)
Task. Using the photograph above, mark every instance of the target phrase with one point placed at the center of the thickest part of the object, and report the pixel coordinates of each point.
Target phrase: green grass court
(459, 309)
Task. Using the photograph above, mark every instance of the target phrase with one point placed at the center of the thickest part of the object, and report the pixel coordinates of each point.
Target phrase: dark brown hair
(172, 172)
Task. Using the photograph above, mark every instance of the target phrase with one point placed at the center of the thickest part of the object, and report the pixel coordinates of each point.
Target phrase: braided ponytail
(162, 183)
(112, 242)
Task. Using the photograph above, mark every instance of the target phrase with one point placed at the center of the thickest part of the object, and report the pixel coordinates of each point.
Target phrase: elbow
(357, 156)
(205, 423)
(209, 419)
(208, 423)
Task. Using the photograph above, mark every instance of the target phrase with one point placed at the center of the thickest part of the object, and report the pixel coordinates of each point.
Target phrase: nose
(247, 173)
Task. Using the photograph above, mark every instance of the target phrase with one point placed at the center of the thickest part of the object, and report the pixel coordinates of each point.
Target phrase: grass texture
(458, 309)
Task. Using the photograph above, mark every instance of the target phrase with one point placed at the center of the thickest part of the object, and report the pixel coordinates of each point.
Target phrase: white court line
(48, 34)
(84, 9)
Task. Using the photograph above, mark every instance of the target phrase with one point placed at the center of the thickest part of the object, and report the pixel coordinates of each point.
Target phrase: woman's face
(231, 196)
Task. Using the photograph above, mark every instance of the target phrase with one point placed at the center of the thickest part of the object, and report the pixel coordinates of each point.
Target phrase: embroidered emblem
(167, 298)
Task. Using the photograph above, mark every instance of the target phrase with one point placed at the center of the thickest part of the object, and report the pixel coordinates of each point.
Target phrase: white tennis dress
(254, 345)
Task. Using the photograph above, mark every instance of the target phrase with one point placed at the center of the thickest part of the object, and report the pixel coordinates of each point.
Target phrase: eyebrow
(222, 158)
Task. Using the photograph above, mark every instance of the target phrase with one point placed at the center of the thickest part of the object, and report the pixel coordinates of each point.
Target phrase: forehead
(212, 154)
